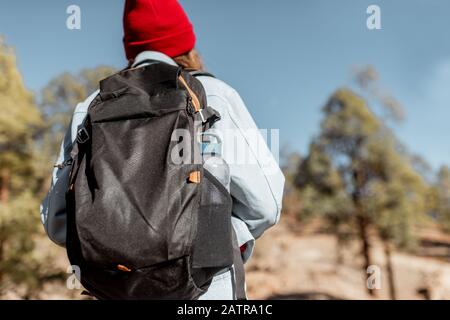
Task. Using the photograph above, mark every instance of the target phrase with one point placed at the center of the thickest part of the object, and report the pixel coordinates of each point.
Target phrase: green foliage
(60, 96)
(20, 121)
(29, 139)
(18, 227)
(354, 171)
(63, 92)
(368, 79)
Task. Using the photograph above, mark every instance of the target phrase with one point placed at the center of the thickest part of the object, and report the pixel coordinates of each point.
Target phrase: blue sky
(284, 57)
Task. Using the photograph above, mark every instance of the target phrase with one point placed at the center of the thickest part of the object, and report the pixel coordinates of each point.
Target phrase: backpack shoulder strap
(200, 73)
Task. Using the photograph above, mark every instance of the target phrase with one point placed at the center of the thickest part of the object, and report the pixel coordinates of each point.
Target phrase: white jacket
(256, 183)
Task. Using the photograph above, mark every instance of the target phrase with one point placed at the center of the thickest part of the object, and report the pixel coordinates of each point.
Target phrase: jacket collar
(153, 55)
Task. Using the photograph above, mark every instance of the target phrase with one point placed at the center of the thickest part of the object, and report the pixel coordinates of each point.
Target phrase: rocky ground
(291, 263)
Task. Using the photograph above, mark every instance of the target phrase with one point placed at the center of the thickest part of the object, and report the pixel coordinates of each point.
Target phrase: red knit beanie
(158, 25)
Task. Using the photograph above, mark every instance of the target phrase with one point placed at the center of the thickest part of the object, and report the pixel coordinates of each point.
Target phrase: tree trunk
(339, 251)
(365, 248)
(359, 180)
(390, 270)
(5, 178)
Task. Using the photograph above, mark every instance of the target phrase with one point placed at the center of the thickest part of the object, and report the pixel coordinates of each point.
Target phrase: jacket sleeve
(256, 180)
(53, 207)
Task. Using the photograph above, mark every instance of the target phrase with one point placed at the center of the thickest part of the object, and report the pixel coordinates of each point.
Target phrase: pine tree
(29, 140)
(20, 120)
(355, 177)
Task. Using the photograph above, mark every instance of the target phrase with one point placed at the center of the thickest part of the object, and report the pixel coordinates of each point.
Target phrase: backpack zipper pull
(190, 107)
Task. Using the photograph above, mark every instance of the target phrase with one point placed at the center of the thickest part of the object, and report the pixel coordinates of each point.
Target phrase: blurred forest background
(358, 198)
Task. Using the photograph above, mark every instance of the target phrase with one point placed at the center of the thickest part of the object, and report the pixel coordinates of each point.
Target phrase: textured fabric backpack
(140, 224)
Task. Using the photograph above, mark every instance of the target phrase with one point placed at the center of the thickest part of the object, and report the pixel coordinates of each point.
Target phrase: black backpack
(140, 224)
